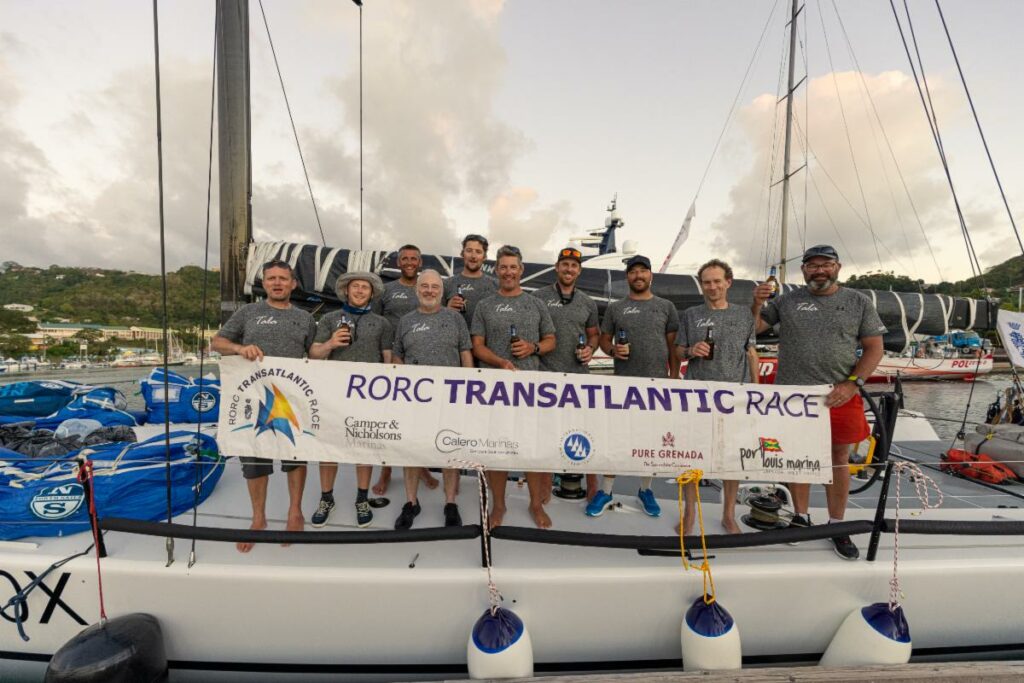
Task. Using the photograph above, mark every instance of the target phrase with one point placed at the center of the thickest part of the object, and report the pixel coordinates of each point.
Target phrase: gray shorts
(254, 468)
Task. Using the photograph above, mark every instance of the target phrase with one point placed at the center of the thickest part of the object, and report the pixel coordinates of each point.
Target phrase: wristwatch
(536, 349)
(859, 381)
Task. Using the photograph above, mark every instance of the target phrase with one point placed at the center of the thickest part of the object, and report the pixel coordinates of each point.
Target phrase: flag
(770, 445)
(1011, 331)
(684, 232)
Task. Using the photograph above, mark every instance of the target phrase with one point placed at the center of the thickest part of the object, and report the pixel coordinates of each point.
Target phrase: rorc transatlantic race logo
(277, 404)
(577, 446)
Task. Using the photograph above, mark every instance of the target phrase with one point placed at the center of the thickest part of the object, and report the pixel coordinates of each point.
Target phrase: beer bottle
(513, 334)
(709, 339)
(581, 344)
(460, 292)
(774, 282)
(346, 324)
(622, 340)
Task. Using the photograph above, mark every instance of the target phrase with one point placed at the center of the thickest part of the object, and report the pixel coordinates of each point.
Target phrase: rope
(198, 483)
(694, 477)
(85, 476)
(20, 599)
(295, 132)
(922, 482)
(485, 522)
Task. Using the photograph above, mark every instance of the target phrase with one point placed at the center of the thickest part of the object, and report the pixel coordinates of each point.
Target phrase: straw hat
(341, 286)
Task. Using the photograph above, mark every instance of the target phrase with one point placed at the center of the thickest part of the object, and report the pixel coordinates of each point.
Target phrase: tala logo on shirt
(631, 310)
(265, 320)
(554, 303)
(399, 295)
(705, 322)
(420, 327)
(504, 308)
(806, 307)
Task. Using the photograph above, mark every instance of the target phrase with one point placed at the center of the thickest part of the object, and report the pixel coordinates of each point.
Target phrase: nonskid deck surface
(228, 507)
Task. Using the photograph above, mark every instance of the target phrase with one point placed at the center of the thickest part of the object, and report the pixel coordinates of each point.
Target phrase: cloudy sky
(518, 119)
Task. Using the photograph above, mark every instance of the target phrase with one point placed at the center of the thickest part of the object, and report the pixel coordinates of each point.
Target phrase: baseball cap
(638, 260)
(571, 253)
(824, 250)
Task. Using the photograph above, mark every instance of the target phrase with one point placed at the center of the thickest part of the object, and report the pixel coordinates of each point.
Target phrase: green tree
(15, 321)
(13, 344)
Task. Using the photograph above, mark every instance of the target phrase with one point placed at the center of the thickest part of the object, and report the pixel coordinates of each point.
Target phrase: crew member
(639, 333)
(431, 335)
(574, 314)
(820, 329)
(398, 299)
(511, 330)
(464, 290)
(352, 333)
(270, 328)
(717, 338)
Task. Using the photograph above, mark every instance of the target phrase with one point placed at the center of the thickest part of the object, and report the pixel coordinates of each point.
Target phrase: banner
(1011, 331)
(414, 415)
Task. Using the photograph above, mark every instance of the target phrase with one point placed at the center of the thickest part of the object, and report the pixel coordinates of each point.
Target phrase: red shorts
(848, 422)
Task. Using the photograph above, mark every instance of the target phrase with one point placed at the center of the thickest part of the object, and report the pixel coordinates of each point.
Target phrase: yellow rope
(694, 477)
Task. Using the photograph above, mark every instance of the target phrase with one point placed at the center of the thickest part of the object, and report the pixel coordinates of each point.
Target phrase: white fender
(710, 638)
(870, 635)
(499, 647)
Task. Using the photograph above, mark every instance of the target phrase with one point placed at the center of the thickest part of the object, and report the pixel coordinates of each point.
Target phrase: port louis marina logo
(768, 455)
(276, 404)
(577, 446)
(57, 502)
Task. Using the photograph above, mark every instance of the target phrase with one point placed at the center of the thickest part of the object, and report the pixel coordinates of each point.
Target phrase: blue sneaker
(598, 504)
(648, 503)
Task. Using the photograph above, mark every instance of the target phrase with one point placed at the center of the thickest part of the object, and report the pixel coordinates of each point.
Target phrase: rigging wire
(932, 124)
(359, 3)
(977, 122)
(163, 269)
(849, 140)
(198, 483)
(291, 119)
(888, 143)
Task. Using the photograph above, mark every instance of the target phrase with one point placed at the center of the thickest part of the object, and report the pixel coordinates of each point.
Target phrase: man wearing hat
(353, 333)
(273, 328)
(639, 332)
(820, 328)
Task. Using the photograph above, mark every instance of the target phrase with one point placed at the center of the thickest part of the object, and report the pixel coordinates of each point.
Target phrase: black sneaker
(323, 511)
(364, 515)
(409, 512)
(845, 548)
(451, 515)
(798, 522)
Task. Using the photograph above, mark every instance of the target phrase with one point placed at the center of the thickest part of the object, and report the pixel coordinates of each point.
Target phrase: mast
(790, 87)
(234, 152)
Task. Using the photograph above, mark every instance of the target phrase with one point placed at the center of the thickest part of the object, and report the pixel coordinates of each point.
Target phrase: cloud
(836, 212)
(516, 218)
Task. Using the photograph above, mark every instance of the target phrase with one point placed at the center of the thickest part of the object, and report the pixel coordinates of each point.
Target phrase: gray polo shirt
(373, 335)
(432, 338)
(495, 315)
(283, 332)
(819, 335)
(646, 323)
(475, 290)
(396, 301)
(571, 319)
(733, 334)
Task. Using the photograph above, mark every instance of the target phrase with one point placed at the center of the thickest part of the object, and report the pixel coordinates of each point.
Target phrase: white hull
(362, 612)
(932, 368)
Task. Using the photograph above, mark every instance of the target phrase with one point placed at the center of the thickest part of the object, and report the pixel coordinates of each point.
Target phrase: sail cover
(317, 268)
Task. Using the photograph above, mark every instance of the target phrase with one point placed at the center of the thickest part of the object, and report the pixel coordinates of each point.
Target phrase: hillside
(110, 297)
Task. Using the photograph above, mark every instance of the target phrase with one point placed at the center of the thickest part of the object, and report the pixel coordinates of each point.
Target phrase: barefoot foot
(731, 526)
(540, 518)
(381, 487)
(257, 525)
(296, 522)
(497, 516)
(429, 479)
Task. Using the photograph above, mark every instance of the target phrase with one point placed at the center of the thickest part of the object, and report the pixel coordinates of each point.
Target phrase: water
(941, 401)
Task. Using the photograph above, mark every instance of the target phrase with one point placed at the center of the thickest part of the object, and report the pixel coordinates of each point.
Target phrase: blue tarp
(46, 498)
(188, 400)
(38, 398)
(106, 405)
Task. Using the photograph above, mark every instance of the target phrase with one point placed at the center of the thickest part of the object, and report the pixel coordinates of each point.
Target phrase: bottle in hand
(709, 339)
(581, 344)
(513, 334)
(774, 282)
(622, 340)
